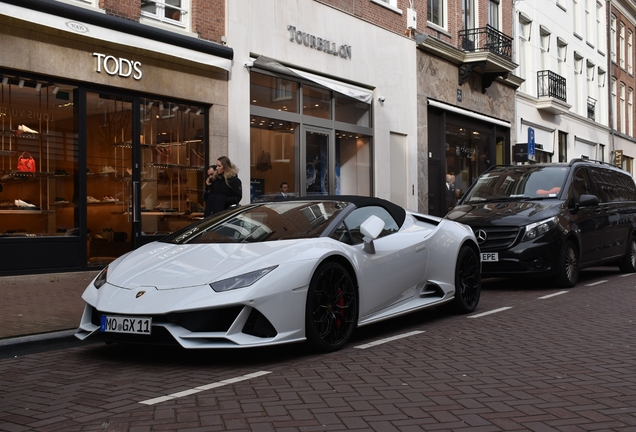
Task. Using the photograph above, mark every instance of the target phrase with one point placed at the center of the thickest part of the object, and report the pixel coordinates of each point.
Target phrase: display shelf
(25, 212)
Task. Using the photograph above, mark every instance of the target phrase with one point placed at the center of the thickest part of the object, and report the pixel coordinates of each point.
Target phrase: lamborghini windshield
(517, 182)
(267, 222)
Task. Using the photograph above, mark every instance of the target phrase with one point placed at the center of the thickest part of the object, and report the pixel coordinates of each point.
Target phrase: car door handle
(420, 247)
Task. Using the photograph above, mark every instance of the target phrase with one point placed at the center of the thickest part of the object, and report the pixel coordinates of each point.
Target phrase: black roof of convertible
(397, 212)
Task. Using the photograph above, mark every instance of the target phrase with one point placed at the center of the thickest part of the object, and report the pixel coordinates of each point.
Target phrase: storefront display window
(38, 156)
(274, 92)
(310, 150)
(273, 158)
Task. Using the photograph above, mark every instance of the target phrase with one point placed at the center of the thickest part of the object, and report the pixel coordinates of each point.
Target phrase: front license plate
(490, 257)
(120, 324)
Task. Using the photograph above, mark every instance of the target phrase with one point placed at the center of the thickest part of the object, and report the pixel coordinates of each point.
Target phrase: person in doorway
(223, 188)
(284, 192)
(451, 198)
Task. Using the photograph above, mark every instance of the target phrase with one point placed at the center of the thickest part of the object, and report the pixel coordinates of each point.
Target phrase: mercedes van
(551, 220)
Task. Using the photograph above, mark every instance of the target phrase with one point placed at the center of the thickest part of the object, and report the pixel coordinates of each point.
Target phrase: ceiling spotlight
(161, 106)
(55, 90)
(149, 104)
(175, 108)
(5, 80)
(38, 87)
(199, 111)
(187, 110)
(21, 83)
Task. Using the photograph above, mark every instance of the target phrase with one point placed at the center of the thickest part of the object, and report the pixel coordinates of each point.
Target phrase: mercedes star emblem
(481, 236)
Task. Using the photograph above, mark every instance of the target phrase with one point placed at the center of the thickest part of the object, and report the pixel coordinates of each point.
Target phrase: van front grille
(496, 238)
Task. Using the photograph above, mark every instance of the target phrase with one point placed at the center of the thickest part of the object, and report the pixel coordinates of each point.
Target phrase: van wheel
(628, 263)
(568, 266)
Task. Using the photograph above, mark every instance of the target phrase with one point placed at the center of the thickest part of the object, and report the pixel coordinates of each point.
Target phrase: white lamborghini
(286, 271)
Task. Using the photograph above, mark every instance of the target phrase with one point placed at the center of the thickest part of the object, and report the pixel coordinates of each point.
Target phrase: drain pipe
(608, 32)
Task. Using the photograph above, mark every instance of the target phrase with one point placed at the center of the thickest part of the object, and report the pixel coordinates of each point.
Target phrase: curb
(19, 346)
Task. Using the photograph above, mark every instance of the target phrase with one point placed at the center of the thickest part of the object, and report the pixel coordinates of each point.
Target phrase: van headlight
(537, 229)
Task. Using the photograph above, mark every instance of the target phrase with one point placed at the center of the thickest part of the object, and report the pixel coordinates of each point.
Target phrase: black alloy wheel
(568, 266)
(332, 308)
(467, 281)
(628, 263)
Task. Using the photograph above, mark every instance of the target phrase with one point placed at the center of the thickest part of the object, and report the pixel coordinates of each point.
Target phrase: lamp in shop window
(55, 90)
(21, 83)
(38, 87)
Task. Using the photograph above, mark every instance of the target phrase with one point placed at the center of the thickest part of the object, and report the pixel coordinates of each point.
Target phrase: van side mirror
(371, 229)
(588, 201)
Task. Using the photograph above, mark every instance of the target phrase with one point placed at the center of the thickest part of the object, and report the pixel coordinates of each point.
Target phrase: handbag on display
(26, 163)
(161, 154)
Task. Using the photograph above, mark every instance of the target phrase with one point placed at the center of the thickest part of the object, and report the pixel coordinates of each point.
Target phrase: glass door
(318, 149)
(109, 162)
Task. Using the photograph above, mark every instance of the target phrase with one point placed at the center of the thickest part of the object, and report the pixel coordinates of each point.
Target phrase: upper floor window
(436, 12)
(493, 13)
(94, 3)
(172, 12)
(600, 27)
(630, 52)
(590, 10)
(576, 14)
(622, 45)
(613, 37)
(392, 3)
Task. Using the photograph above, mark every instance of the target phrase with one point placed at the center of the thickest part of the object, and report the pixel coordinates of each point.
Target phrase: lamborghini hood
(171, 266)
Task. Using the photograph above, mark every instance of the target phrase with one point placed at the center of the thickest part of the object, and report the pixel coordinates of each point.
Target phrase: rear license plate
(490, 256)
(120, 324)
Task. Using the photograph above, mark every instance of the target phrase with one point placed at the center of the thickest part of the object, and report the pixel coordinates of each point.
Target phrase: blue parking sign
(531, 149)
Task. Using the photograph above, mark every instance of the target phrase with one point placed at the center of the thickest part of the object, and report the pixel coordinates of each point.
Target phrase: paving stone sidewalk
(41, 304)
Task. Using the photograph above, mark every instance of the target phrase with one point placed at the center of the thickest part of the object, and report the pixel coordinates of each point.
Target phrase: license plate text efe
(490, 257)
(120, 324)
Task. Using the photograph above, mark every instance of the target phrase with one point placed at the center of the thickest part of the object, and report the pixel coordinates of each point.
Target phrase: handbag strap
(28, 155)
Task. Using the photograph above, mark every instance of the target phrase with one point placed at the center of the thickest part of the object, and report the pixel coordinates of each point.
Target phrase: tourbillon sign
(118, 66)
(317, 43)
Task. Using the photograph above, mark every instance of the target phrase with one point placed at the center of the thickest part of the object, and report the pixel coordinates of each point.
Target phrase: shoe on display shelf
(90, 199)
(25, 129)
(109, 198)
(108, 169)
(23, 204)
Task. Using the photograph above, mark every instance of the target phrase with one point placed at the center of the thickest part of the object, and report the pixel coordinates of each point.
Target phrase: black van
(551, 220)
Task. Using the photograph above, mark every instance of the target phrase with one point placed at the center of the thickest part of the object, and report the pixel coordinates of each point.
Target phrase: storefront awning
(92, 24)
(353, 91)
(467, 113)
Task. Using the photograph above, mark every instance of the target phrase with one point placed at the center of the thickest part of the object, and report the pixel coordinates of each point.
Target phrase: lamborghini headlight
(537, 229)
(241, 281)
(100, 280)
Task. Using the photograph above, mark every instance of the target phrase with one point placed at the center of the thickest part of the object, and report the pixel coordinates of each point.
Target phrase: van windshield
(517, 182)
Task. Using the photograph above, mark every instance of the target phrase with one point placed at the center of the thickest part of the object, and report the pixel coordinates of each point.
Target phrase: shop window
(172, 12)
(273, 92)
(353, 164)
(174, 165)
(38, 158)
(273, 158)
(352, 111)
(316, 102)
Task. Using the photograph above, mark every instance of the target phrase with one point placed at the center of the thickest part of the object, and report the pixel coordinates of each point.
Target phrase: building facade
(108, 111)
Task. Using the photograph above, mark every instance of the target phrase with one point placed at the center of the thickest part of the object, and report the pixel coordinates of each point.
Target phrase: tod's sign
(118, 66)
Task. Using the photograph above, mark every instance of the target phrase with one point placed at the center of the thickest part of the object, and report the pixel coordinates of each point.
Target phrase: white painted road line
(490, 312)
(390, 339)
(627, 274)
(596, 283)
(552, 295)
(204, 387)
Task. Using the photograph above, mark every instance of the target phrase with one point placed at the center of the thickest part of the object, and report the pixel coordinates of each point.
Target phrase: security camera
(249, 64)
(382, 99)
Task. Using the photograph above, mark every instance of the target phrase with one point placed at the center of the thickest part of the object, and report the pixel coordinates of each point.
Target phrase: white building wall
(380, 59)
(585, 45)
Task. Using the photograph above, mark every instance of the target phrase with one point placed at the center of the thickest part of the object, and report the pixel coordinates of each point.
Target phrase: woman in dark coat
(222, 187)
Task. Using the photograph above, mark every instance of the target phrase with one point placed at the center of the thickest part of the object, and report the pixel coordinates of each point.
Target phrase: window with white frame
(600, 106)
(621, 48)
(589, 19)
(525, 30)
(392, 3)
(578, 84)
(600, 27)
(630, 112)
(623, 109)
(436, 12)
(630, 51)
(469, 14)
(614, 105)
(544, 34)
(613, 38)
(562, 55)
(173, 12)
(591, 89)
(576, 16)
(94, 3)
(494, 13)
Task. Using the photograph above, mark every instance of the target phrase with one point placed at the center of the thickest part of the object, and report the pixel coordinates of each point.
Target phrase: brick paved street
(557, 360)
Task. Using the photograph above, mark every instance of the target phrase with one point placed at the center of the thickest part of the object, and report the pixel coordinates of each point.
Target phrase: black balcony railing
(486, 39)
(591, 108)
(551, 85)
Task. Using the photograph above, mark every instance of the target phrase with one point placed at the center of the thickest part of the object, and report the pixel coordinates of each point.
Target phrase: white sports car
(284, 271)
